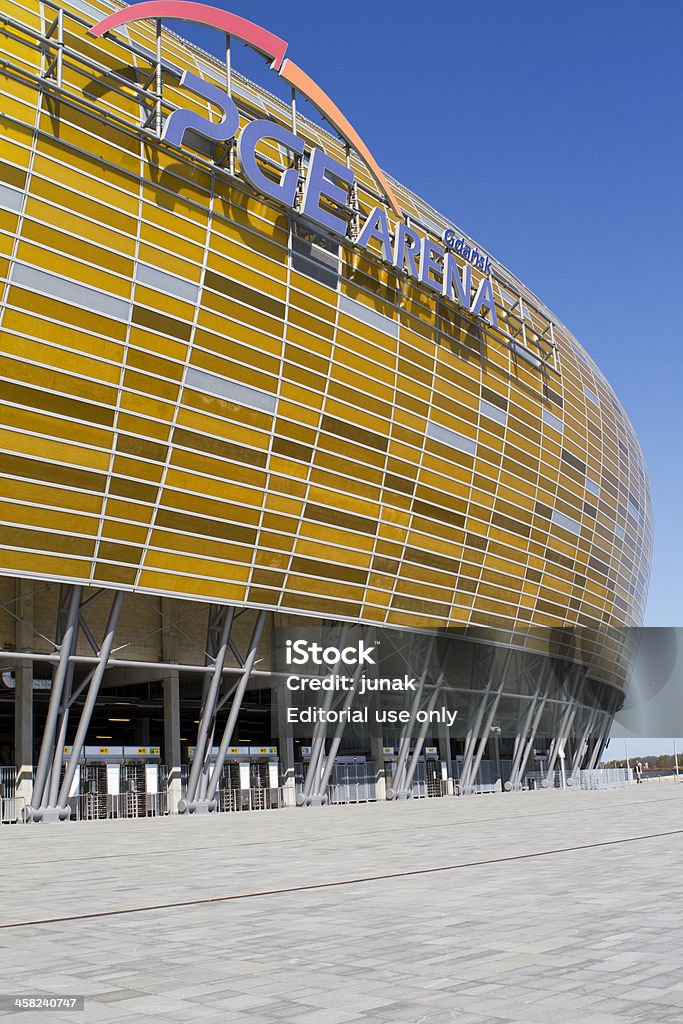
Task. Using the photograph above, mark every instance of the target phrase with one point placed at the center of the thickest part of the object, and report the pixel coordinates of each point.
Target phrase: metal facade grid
(117, 473)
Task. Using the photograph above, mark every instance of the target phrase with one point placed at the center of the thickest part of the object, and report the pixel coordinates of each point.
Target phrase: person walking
(639, 771)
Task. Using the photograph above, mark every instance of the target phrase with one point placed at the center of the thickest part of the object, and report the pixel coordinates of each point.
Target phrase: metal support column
(69, 602)
(601, 738)
(285, 743)
(23, 697)
(209, 804)
(91, 698)
(319, 794)
(530, 730)
(218, 644)
(407, 782)
(171, 688)
(582, 745)
(397, 790)
(522, 736)
(475, 726)
(444, 738)
(377, 753)
(315, 765)
(172, 758)
(477, 747)
(520, 745)
(565, 725)
(526, 753)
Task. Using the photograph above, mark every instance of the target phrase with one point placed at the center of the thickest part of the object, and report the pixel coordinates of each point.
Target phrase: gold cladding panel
(239, 436)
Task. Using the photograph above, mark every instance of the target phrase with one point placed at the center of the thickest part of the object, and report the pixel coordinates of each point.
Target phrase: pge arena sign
(326, 181)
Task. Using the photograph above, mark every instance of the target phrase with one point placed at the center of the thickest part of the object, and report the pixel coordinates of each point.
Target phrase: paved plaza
(561, 908)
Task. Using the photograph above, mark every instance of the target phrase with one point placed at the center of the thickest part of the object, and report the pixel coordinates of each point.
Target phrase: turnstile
(429, 772)
(117, 782)
(433, 772)
(250, 778)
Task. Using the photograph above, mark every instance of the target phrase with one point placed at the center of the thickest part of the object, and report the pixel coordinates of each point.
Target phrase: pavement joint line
(329, 836)
(339, 882)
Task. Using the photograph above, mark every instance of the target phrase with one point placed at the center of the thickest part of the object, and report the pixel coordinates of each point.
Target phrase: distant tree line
(653, 761)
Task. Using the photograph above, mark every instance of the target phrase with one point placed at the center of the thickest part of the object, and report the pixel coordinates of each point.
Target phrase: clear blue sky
(551, 132)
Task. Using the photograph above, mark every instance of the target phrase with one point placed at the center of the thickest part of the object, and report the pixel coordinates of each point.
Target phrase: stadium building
(267, 417)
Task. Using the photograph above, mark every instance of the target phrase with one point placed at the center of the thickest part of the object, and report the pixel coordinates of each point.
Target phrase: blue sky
(551, 133)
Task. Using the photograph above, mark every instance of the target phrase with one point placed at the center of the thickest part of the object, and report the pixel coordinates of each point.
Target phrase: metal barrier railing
(662, 775)
(94, 806)
(595, 778)
(102, 806)
(8, 803)
(249, 799)
(352, 792)
(603, 778)
(8, 810)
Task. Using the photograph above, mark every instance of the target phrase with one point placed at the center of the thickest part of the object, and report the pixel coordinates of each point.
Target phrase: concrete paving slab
(510, 909)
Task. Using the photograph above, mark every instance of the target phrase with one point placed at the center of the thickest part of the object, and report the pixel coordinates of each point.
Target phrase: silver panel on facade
(230, 390)
(170, 284)
(66, 290)
(368, 316)
(451, 437)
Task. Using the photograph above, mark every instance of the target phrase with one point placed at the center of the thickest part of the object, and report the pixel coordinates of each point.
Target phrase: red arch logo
(263, 42)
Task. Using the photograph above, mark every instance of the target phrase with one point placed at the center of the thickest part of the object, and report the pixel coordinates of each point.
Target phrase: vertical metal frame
(409, 773)
(478, 733)
(206, 776)
(219, 628)
(318, 792)
(67, 635)
(51, 792)
(315, 765)
(524, 741)
(398, 785)
(53, 47)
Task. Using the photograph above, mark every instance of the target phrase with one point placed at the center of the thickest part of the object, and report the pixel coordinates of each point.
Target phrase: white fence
(603, 778)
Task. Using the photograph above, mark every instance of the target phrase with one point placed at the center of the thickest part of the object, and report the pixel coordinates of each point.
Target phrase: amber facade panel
(201, 398)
